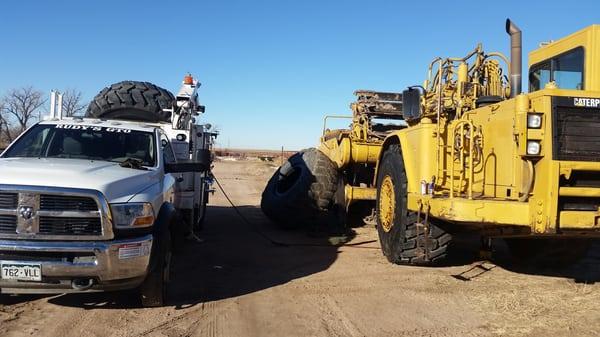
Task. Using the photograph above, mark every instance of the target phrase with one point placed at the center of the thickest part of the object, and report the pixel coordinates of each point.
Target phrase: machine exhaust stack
(515, 58)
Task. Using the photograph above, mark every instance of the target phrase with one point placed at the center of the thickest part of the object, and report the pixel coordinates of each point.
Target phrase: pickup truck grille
(43, 213)
(8, 200)
(36, 256)
(8, 223)
(49, 202)
(70, 226)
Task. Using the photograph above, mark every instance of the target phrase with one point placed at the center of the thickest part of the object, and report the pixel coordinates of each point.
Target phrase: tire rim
(387, 204)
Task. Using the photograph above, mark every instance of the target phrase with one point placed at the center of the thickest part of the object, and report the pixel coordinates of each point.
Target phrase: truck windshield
(85, 142)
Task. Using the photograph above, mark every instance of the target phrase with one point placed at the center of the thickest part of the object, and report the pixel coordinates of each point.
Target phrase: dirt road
(236, 283)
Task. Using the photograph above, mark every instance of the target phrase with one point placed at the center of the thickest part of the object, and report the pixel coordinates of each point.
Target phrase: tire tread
(401, 244)
(312, 197)
(146, 99)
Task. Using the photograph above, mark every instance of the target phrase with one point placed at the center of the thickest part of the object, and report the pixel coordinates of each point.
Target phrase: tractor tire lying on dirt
(301, 191)
(132, 100)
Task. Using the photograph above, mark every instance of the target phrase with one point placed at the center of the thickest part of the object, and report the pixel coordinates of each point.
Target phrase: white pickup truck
(93, 204)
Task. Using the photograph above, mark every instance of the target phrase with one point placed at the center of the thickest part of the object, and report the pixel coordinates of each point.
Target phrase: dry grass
(520, 305)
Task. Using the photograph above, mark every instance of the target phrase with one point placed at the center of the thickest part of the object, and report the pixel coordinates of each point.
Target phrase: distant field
(242, 153)
(273, 155)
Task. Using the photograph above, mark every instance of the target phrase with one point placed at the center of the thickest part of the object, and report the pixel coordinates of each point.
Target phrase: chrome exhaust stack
(515, 58)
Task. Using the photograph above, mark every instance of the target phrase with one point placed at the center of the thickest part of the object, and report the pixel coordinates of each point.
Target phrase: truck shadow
(8, 299)
(234, 258)
(238, 257)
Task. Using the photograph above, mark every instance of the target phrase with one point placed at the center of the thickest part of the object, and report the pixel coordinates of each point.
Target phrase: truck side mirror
(185, 167)
(200, 164)
(411, 104)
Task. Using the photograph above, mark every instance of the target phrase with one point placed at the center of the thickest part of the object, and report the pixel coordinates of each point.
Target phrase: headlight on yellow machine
(534, 121)
(534, 147)
(132, 215)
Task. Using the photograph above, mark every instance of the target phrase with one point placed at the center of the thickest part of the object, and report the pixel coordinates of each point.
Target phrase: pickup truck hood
(118, 184)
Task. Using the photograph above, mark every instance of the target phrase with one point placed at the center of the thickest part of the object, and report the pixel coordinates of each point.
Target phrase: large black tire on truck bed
(301, 191)
(132, 100)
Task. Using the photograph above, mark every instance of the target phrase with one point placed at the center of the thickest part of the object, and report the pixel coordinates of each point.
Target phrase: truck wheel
(302, 189)
(548, 251)
(400, 240)
(178, 232)
(153, 290)
(132, 100)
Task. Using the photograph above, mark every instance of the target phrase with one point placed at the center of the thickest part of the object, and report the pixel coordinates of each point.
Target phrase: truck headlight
(534, 121)
(132, 215)
(533, 147)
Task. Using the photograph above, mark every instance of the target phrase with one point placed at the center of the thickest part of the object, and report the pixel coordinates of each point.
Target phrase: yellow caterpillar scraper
(469, 150)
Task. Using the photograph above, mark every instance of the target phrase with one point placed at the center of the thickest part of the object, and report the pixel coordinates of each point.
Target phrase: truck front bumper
(68, 266)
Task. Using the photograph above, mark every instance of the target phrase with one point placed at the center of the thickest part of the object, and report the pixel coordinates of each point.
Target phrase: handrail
(438, 136)
(333, 116)
(471, 174)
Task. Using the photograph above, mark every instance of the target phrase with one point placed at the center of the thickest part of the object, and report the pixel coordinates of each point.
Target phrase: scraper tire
(402, 240)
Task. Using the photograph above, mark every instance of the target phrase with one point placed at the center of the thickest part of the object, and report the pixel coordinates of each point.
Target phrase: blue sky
(270, 70)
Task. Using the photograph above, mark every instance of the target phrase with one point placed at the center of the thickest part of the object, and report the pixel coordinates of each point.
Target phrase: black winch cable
(277, 243)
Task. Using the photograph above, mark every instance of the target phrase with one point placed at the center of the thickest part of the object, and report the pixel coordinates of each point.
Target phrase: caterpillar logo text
(587, 102)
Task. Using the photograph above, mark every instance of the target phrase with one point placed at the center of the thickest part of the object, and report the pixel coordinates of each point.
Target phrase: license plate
(130, 250)
(21, 271)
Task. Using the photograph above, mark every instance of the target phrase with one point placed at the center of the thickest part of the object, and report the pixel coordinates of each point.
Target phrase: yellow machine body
(356, 150)
(505, 187)
(472, 158)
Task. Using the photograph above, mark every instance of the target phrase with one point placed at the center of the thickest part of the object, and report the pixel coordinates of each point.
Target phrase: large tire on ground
(548, 251)
(132, 100)
(401, 241)
(301, 192)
